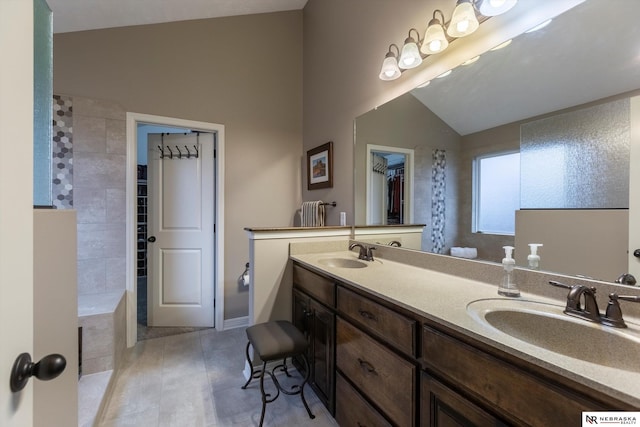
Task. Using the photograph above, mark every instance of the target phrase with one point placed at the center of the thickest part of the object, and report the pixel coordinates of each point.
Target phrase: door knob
(48, 368)
(151, 239)
(636, 253)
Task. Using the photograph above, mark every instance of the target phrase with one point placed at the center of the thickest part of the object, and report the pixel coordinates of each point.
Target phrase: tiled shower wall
(89, 175)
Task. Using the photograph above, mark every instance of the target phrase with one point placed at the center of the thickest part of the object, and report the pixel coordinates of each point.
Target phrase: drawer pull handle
(368, 315)
(367, 366)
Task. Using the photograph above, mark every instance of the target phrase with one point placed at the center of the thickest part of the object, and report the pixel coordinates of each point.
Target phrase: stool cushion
(276, 340)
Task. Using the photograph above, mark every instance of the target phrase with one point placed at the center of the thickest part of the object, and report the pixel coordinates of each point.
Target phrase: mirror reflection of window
(496, 195)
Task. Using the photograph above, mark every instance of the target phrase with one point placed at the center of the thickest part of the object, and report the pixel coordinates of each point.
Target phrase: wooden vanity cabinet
(315, 317)
(519, 394)
(376, 364)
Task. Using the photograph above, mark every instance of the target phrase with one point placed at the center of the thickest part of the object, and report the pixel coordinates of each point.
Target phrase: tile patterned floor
(193, 380)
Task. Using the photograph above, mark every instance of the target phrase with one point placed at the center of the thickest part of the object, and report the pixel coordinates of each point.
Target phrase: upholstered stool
(277, 340)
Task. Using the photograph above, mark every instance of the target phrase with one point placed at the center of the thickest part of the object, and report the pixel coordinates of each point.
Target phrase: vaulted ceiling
(79, 15)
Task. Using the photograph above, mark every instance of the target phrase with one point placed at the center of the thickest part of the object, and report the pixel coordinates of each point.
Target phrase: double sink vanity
(399, 340)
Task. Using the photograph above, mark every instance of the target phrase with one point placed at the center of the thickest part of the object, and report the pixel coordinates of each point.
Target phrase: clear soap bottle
(507, 287)
(533, 258)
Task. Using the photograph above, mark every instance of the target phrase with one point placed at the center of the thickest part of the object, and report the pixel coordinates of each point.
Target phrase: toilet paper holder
(245, 279)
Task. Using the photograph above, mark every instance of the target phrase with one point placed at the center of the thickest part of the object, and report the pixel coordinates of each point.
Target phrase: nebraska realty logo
(610, 418)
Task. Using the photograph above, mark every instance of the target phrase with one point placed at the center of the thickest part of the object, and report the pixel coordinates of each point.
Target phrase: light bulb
(463, 21)
(410, 56)
(435, 40)
(389, 70)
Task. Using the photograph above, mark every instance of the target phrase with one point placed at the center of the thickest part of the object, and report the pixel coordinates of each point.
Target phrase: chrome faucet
(366, 253)
(590, 312)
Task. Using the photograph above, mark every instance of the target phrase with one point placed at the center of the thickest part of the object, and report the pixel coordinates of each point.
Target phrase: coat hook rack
(180, 154)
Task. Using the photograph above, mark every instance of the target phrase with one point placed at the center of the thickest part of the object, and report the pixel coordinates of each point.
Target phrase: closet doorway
(175, 188)
(389, 185)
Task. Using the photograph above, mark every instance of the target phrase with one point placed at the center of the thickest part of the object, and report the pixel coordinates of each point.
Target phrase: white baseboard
(238, 322)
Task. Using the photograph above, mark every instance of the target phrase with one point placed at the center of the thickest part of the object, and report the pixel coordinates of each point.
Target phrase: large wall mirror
(549, 115)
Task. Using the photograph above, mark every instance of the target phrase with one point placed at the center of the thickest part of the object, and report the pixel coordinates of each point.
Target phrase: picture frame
(320, 167)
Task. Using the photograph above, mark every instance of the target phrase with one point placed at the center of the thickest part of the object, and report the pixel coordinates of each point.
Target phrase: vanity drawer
(385, 378)
(393, 327)
(352, 410)
(321, 288)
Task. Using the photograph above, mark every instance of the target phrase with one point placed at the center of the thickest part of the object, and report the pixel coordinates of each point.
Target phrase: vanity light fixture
(390, 70)
(410, 56)
(494, 7)
(435, 41)
(463, 21)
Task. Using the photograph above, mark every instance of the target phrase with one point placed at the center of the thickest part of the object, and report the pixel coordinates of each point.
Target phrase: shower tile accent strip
(438, 177)
(62, 152)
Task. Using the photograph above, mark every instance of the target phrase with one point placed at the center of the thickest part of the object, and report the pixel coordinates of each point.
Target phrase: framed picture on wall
(320, 167)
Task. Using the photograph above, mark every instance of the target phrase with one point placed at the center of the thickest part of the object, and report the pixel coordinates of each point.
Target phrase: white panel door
(16, 205)
(181, 220)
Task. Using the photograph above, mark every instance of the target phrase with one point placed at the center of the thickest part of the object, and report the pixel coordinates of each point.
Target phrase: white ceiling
(79, 15)
(588, 53)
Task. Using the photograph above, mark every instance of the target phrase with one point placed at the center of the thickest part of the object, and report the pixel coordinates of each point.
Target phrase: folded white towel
(470, 253)
(312, 214)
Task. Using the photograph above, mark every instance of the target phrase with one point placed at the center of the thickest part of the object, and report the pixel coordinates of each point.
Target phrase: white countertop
(444, 298)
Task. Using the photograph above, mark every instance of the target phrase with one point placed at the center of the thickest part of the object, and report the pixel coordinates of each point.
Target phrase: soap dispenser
(507, 287)
(534, 258)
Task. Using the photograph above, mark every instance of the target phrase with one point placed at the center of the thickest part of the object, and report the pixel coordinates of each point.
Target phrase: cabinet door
(442, 407)
(323, 350)
(302, 317)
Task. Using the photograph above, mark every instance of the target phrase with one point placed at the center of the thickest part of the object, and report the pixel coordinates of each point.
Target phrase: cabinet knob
(636, 253)
(151, 239)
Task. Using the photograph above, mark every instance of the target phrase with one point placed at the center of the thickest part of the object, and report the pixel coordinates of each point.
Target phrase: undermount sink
(342, 263)
(546, 326)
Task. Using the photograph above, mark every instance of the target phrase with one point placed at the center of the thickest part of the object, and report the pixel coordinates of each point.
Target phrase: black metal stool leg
(251, 376)
(304, 382)
(264, 395)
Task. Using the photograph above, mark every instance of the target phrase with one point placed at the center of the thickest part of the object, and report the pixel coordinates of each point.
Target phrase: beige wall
(242, 72)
